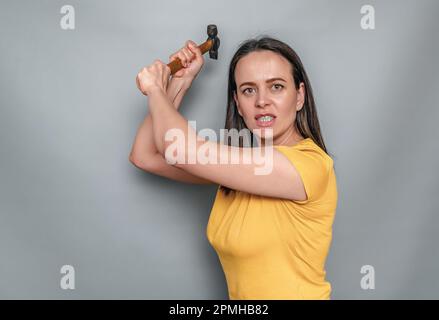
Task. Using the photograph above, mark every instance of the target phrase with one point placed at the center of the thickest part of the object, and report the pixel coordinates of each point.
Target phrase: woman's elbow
(142, 163)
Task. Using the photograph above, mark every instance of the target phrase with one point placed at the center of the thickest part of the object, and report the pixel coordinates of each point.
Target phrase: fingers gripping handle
(176, 65)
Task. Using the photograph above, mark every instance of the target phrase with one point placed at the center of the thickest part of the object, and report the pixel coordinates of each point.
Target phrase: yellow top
(273, 248)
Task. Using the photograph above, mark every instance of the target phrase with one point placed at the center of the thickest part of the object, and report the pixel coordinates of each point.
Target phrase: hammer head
(212, 33)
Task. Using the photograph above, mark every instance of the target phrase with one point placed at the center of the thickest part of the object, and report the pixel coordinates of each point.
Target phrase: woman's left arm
(269, 173)
(165, 119)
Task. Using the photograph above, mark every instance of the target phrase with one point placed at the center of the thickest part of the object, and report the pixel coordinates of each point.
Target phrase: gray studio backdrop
(70, 111)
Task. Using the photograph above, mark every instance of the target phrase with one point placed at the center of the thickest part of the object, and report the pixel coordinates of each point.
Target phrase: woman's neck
(290, 138)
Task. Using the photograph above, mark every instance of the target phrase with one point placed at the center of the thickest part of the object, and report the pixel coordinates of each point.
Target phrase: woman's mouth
(265, 121)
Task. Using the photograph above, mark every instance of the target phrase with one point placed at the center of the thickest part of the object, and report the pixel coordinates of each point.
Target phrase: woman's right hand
(191, 59)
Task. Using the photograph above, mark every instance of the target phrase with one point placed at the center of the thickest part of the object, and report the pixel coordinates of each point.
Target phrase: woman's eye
(277, 85)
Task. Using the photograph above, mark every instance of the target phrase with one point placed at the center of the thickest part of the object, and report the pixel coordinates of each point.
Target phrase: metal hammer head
(212, 33)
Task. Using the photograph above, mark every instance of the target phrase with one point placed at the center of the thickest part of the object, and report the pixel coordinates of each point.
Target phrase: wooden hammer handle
(176, 65)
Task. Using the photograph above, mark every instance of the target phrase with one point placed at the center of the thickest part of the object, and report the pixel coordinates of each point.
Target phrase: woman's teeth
(265, 118)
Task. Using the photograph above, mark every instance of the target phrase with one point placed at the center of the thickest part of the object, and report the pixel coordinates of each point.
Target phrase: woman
(272, 232)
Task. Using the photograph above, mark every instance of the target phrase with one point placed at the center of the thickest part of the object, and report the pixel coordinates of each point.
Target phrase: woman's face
(265, 86)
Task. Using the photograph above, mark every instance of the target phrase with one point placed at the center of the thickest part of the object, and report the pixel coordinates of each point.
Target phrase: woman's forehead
(262, 65)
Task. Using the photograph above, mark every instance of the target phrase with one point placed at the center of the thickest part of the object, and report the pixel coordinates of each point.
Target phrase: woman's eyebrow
(268, 80)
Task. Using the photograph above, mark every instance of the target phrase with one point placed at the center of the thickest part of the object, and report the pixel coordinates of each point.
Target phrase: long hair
(307, 123)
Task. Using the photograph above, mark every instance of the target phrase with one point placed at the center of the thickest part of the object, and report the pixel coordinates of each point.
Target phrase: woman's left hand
(153, 77)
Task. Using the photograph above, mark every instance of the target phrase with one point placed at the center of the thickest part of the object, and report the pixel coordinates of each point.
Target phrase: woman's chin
(264, 133)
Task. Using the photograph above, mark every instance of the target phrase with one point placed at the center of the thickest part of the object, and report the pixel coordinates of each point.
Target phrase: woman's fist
(191, 59)
(155, 76)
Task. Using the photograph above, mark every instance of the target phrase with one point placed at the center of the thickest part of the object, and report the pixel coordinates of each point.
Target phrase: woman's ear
(300, 97)
(237, 104)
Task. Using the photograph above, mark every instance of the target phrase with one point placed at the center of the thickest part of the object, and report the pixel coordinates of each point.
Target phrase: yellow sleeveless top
(273, 248)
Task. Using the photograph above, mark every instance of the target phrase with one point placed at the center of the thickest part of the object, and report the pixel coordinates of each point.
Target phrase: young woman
(272, 232)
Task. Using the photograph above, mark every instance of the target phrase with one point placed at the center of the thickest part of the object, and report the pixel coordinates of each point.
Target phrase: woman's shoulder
(308, 147)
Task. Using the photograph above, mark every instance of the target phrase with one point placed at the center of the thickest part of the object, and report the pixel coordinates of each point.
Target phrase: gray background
(70, 111)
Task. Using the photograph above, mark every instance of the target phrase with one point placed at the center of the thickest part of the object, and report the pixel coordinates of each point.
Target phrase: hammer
(211, 44)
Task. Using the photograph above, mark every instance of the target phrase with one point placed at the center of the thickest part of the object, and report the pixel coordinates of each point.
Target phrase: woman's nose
(262, 99)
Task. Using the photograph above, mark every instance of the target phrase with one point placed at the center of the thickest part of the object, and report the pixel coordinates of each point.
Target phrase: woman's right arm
(144, 154)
